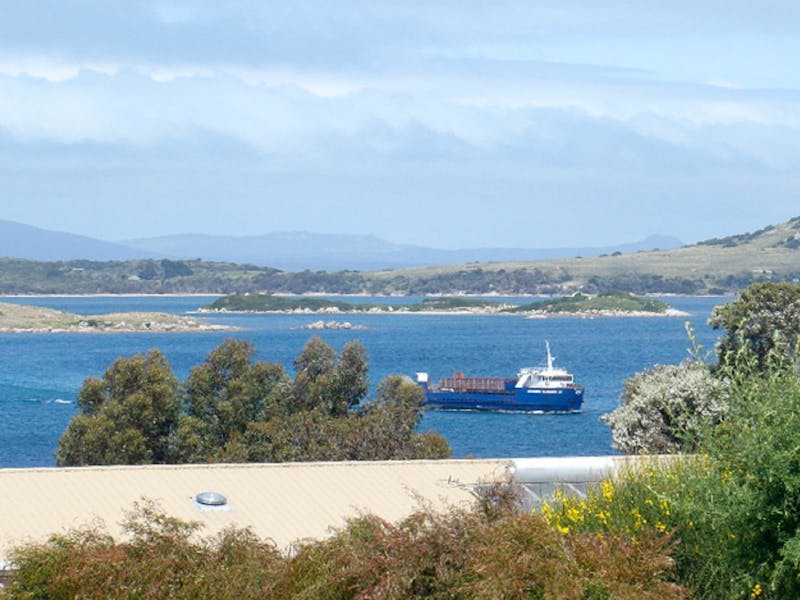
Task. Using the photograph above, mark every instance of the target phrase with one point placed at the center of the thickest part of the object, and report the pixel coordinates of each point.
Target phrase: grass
(765, 252)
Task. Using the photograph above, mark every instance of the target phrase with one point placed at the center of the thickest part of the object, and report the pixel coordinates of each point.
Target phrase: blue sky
(445, 124)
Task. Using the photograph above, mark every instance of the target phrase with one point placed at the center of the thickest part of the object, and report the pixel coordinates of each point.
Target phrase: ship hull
(518, 399)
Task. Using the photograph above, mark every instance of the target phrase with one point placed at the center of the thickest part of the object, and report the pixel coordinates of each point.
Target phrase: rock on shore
(332, 325)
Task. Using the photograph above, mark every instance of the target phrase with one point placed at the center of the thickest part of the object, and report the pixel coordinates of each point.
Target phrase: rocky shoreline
(318, 325)
(16, 318)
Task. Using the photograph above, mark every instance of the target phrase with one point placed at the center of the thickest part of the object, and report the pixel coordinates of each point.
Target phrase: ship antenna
(549, 357)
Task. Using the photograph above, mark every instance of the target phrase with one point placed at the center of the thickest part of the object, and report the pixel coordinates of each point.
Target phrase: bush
(667, 409)
(733, 509)
(462, 553)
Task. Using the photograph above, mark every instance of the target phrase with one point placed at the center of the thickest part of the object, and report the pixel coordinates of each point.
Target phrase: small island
(612, 303)
(18, 318)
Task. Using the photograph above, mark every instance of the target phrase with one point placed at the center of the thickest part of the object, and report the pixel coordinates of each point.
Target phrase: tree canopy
(234, 409)
(762, 324)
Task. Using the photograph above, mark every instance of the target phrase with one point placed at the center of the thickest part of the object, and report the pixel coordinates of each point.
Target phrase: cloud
(436, 105)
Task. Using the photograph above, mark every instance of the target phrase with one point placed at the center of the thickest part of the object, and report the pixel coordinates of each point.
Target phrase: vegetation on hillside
(234, 409)
(720, 266)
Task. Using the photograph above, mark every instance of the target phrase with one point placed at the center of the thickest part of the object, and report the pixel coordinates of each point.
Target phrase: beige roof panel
(285, 502)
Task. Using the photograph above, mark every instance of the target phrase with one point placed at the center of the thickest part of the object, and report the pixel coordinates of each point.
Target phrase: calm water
(40, 374)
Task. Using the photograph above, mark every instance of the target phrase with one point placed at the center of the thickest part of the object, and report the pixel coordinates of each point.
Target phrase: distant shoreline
(672, 312)
(316, 295)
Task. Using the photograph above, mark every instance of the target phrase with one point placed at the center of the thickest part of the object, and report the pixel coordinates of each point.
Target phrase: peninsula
(17, 318)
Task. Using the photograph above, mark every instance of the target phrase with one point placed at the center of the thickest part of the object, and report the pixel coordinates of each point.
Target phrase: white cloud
(466, 99)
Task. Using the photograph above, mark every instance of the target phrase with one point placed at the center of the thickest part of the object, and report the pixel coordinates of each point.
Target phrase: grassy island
(270, 303)
(17, 318)
(607, 303)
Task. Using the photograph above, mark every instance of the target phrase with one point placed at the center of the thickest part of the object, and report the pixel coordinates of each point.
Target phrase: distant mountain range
(24, 241)
(291, 251)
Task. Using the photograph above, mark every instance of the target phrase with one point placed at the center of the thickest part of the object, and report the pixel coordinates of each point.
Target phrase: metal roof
(283, 502)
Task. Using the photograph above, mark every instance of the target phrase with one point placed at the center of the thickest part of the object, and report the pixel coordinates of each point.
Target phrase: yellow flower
(665, 507)
(574, 515)
(562, 529)
(649, 501)
(756, 592)
(638, 520)
(661, 527)
(607, 490)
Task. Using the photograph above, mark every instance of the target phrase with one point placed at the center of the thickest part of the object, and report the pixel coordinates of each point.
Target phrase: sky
(446, 124)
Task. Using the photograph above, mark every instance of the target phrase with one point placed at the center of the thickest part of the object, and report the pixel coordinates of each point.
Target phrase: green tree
(226, 393)
(383, 429)
(127, 417)
(763, 324)
(314, 374)
(234, 409)
(326, 383)
(350, 382)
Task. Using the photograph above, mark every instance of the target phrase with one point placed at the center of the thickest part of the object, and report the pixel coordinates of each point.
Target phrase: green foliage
(613, 300)
(126, 417)
(234, 409)
(268, 303)
(175, 268)
(734, 508)
(667, 409)
(226, 393)
(764, 322)
(462, 553)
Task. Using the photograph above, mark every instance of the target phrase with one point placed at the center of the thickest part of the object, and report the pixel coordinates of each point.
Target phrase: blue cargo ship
(546, 389)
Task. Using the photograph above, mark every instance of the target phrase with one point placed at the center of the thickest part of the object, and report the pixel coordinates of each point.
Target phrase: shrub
(461, 553)
(667, 409)
(733, 510)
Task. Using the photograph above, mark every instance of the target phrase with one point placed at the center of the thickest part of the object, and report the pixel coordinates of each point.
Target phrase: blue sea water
(40, 374)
